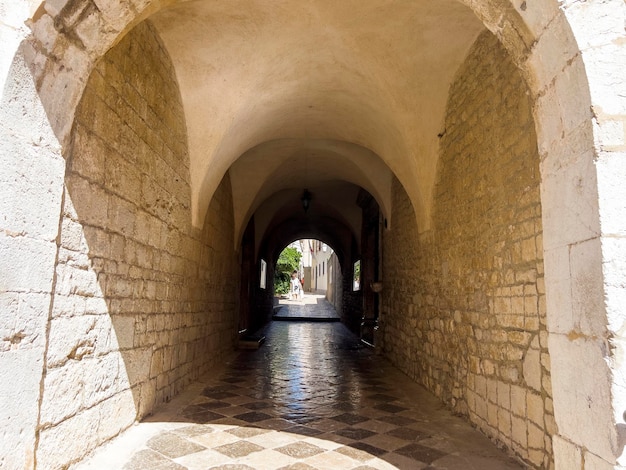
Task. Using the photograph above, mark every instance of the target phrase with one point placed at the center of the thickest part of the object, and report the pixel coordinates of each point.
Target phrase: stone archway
(579, 142)
(572, 131)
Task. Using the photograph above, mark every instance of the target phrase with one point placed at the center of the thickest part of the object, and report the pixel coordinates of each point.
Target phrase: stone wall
(472, 289)
(335, 288)
(31, 188)
(143, 303)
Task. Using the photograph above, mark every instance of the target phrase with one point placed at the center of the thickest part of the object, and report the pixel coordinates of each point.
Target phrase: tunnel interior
(411, 129)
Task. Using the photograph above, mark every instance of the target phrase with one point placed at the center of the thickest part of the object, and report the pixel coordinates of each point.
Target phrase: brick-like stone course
(472, 288)
(143, 302)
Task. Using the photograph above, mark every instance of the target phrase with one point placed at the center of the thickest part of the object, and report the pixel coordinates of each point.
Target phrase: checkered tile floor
(310, 398)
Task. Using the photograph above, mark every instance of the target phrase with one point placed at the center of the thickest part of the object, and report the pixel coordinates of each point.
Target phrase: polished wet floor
(312, 397)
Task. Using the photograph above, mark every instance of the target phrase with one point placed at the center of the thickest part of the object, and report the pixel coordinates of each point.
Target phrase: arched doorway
(46, 80)
(340, 213)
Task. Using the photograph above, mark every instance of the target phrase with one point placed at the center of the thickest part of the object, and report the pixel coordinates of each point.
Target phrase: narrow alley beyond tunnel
(312, 397)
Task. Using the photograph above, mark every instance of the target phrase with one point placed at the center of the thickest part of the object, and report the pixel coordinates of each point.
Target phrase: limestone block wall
(472, 288)
(335, 291)
(143, 303)
(31, 188)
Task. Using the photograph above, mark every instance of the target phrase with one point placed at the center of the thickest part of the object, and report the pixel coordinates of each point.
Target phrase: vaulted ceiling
(314, 94)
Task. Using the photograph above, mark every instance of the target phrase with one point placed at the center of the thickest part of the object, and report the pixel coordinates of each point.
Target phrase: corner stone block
(588, 309)
(26, 264)
(23, 113)
(72, 237)
(63, 392)
(75, 436)
(31, 185)
(593, 462)
(123, 331)
(573, 96)
(95, 33)
(23, 319)
(569, 198)
(549, 126)
(117, 14)
(539, 14)
(554, 48)
(116, 414)
(62, 87)
(54, 7)
(137, 364)
(66, 336)
(562, 151)
(90, 202)
(582, 401)
(567, 456)
(19, 405)
(147, 398)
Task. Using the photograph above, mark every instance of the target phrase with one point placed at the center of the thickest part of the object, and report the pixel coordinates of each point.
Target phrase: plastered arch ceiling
(290, 94)
(284, 167)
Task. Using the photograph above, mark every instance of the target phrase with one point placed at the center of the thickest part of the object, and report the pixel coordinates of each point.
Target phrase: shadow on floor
(310, 398)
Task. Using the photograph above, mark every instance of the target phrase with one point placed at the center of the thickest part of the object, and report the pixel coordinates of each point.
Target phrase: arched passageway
(339, 213)
(154, 152)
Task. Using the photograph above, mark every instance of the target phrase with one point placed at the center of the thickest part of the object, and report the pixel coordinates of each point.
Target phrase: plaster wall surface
(265, 78)
(143, 303)
(465, 312)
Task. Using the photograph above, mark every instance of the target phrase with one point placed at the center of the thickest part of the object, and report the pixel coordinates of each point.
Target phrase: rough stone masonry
(472, 289)
(142, 301)
(106, 286)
